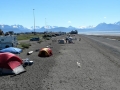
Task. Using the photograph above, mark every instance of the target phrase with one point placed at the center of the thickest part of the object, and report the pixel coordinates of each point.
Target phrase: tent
(45, 52)
(11, 50)
(61, 41)
(70, 40)
(10, 63)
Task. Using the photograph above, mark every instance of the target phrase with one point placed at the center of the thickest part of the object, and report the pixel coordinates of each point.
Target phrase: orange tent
(45, 52)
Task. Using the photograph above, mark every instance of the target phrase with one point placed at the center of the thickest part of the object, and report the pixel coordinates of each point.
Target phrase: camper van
(8, 41)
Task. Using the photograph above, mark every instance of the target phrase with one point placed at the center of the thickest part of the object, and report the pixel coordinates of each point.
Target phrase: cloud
(69, 22)
(105, 17)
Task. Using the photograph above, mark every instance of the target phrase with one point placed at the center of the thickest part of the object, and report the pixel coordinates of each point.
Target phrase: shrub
(40, 41)
(25, 45)
(47, 38)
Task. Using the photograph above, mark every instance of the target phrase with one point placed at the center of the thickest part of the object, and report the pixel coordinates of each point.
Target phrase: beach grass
(28, 36)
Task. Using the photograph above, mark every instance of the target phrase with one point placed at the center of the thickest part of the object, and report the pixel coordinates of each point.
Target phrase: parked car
(35, 39)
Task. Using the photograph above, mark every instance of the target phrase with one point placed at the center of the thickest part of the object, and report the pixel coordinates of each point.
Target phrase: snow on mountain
(50, 27)
(81, 27)
(85, 27)
(20, 28)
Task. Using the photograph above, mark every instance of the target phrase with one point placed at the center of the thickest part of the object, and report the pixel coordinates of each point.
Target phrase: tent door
(16, 67)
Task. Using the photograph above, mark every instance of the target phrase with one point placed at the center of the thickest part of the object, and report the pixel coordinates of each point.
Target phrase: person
(66, 39)
(70, 40)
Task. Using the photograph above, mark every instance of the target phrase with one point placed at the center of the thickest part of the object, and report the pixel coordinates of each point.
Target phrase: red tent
(45, 52)
(10, 63)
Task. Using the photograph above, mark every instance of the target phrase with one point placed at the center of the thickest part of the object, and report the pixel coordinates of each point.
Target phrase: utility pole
(45, 24)
(34, 20)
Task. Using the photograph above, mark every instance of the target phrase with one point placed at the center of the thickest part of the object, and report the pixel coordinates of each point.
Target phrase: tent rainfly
(45, 52)
(13, 50)
(10, 64)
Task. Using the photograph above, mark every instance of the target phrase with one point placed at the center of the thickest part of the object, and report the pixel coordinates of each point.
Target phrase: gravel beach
(99, 66)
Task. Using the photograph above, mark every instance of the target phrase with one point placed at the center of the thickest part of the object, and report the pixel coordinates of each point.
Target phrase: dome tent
(45, 52)
(10, 63)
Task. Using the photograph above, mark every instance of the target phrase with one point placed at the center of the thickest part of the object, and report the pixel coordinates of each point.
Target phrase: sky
(62, 13)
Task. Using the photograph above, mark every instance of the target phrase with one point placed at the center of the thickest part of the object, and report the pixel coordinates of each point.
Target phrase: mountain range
(100, 27)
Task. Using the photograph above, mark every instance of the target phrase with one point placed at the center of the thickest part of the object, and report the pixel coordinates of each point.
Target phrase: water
(111, 33)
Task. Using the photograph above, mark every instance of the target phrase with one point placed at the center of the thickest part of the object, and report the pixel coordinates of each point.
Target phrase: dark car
(35, 39)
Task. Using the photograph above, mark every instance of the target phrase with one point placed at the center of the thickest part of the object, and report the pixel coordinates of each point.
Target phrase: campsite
(74, 66)
(59, 45)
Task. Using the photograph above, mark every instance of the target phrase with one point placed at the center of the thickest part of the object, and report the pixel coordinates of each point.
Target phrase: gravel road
(98, 58)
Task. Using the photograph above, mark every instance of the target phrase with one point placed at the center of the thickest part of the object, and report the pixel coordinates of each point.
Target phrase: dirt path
(97, 72)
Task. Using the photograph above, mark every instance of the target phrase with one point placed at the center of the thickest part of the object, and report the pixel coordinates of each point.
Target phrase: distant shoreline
(113, 37)
(101, 33)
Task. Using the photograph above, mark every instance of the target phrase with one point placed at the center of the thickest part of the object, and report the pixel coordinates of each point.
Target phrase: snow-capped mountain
(117, 23)
(15, 28)
(100, 27)
(104, 26)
